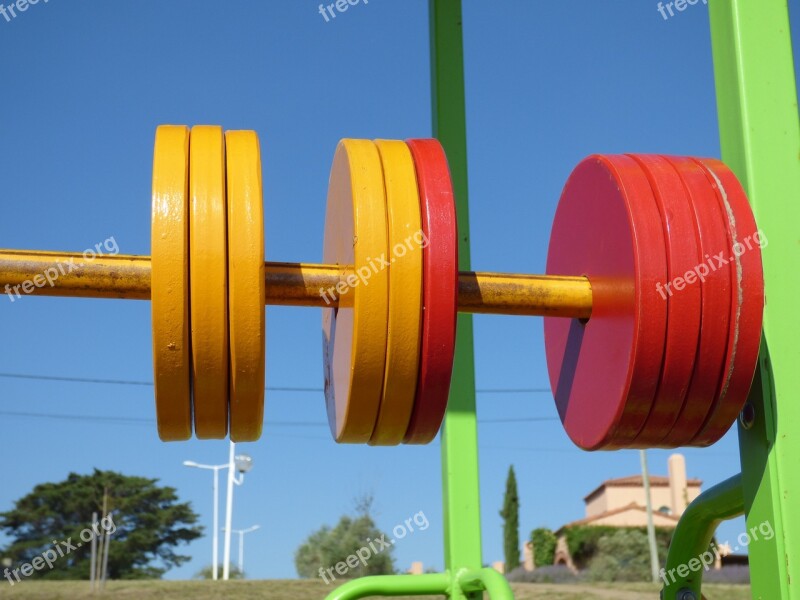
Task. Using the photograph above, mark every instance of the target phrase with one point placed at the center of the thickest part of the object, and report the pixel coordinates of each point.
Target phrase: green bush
(621, 556)
(208, 572)
(327, 547)
(582, 541)
(544, 546)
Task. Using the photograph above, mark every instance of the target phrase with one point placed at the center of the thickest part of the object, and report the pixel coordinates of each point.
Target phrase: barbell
(653, 296)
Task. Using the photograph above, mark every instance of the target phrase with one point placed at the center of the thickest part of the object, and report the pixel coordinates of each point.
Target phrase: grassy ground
(316, 590)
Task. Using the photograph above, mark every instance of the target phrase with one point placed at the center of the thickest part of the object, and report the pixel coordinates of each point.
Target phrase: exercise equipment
(208, 281)
(758, 122)
(439, 290)
(355, 329)
(245, 284)
(405, 293)
(169, 281)
(637, 231)
(715, 309)
(604, 372)
(747, 302)
(683, 309)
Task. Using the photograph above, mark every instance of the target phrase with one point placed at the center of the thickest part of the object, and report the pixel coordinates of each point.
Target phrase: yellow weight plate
(354, 335)
(169, 281)
(405, 293)
(208, 266)
(245, 284)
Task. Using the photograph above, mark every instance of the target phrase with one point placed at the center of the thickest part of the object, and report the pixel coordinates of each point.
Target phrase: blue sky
(547, 83)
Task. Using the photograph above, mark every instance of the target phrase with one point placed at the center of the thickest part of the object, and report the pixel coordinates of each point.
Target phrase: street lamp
(215, 548)
(241, 463)
(241, 533)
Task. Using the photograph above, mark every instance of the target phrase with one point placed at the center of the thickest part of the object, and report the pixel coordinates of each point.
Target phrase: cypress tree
(510, 515)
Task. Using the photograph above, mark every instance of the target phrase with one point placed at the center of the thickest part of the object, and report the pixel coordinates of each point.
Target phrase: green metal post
(760, 136)
(461, 488)
(689, 553)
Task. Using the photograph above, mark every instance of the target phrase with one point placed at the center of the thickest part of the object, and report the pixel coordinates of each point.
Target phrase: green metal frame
(689, 552)
(760, 139)
(760, 135)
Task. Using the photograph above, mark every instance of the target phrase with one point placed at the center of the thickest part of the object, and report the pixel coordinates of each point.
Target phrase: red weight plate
(683, 306)
(439, 290)
(744, 340)
(604, 371)
(715, 286)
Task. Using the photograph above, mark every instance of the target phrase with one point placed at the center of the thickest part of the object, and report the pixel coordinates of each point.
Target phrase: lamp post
(215, 543)
(241, 533)
(241, 463)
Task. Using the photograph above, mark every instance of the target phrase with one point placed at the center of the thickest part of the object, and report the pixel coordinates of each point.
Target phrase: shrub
(582, 541)
(327, 547)
(544, 546)
(621, 556)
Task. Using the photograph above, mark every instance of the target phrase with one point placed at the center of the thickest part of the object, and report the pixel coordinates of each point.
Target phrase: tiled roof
(637, 481)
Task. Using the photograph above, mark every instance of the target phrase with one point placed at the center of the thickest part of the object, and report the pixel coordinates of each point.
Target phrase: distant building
(621, 503)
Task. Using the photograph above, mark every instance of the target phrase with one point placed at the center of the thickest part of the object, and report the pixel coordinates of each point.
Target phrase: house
(621, 503)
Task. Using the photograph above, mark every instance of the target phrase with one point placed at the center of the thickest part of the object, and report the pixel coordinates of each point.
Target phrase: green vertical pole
(461, 488)
(760, 137)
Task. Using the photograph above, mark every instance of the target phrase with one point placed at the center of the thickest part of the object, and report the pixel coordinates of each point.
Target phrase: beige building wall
(417, 568)
(634, 517)
(528, 556)
(597, 505)
(614, 497)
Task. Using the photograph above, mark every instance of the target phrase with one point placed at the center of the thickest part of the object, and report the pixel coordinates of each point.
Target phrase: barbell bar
(127, 277)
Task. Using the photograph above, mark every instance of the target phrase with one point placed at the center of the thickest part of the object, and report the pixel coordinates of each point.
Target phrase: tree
(621, 556)
(208, 573)
(544, 546)
(510, 514)
(356, 538)
(146, 523)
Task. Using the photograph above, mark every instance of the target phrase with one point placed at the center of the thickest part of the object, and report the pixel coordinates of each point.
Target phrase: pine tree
(510, 514)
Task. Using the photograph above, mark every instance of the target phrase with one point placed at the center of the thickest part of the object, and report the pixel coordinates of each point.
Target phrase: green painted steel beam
(393, 585)
(459, 440)
(689, 553)
(760, 137)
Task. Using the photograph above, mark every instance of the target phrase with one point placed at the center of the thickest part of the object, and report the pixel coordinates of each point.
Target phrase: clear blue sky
(85, 85)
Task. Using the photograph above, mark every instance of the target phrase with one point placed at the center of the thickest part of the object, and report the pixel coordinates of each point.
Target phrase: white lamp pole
(241, 463)
(215, 549)
(241, 533)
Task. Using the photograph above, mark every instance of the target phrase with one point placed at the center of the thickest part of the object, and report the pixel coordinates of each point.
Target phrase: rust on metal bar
(25, 272)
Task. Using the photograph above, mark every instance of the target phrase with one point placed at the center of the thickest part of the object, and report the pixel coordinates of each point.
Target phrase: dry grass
(316, 590)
